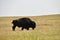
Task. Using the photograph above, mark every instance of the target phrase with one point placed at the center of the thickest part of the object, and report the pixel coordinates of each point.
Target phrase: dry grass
(47, 28)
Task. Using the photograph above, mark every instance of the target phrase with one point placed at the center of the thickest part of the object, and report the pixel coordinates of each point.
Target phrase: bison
(24, 23)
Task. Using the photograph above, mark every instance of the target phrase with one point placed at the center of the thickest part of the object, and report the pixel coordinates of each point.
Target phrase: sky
(29, 7)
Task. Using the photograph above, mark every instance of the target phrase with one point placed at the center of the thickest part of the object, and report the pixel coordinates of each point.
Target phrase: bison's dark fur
(25, 23)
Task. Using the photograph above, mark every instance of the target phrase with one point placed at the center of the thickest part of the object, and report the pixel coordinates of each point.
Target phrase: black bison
(24, 23)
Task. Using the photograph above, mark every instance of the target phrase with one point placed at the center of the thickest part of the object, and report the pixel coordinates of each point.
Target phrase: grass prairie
(47, 28)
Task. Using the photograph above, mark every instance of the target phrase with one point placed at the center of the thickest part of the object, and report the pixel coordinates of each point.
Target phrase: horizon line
(26, 15)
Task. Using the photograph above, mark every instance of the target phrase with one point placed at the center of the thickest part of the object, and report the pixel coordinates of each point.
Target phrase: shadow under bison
(24, 23)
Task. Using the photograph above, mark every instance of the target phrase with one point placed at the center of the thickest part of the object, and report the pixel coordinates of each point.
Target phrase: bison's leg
(13, 28)
(33, 28)
(22, 28)
(27, 28)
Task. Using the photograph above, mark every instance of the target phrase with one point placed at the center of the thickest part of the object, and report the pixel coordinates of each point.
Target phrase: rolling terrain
(47, 28)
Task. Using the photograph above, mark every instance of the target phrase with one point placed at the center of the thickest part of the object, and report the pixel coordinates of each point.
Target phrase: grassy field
(47, 28)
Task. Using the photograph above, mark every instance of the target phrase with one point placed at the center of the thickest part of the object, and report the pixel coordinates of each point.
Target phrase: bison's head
(33, 24)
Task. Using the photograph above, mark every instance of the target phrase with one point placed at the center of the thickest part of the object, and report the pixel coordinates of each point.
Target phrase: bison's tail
(14, 22)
